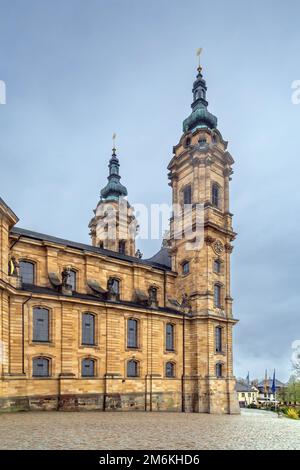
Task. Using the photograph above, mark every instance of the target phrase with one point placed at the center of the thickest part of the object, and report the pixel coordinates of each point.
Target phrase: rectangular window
(187, 195)
(27, 272)
(169, 337)
(217, 295)
(217, 266)
(88, 368)
(40, 325)
(218, 339)
(132, 339)
(40, 367)
(88, 329)
(186, 267)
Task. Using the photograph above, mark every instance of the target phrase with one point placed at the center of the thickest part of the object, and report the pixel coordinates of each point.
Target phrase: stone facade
(191, 285)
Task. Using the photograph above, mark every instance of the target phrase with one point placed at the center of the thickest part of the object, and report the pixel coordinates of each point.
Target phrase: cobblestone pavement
(138, 430)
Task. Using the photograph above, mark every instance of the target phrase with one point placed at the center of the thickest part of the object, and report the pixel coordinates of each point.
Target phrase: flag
(274, 384)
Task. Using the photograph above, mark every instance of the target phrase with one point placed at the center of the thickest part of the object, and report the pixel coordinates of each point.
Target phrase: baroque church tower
(199, 174)
(114, 225)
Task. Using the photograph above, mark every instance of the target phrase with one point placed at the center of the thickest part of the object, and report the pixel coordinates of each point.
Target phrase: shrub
(291, 413)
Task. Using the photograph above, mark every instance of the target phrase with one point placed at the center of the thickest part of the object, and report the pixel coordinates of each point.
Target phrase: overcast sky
(76, 71)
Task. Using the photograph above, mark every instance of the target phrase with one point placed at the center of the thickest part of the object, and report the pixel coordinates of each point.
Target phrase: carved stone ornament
(228, 248)
(218, 247)
(209, 240)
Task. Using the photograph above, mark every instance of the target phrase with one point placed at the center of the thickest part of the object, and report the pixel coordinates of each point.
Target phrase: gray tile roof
(162, 257)
(241, 387)
(84, 247)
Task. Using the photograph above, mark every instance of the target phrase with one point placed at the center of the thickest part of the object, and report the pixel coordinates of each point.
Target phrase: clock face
(218, 247)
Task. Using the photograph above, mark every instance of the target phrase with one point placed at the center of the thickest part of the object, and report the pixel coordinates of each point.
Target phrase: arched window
(152, 295)
(169, 337)
(72, 279)
(218, 295)
(113, 287)
(88, 329)
(202, 142)
(219, 369)
(88, 367)
(218, 339)
(132, 368)
(187, 195)
(170, 369)
(122, 247)
(132, 333)
(187, 141)
(40, 367)
(27, 272)
(40, 323)
(217, 266)
(215, 195)
(185, 267)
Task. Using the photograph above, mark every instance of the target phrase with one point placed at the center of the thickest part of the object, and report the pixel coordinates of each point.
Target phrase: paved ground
(138, 430)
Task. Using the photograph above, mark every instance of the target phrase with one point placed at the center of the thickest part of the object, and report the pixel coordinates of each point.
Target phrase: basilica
(98, 327)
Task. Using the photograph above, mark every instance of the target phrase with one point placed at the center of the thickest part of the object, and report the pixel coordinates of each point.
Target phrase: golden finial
(198, 53)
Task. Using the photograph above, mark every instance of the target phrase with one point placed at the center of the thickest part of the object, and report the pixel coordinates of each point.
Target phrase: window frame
(189, 188)
(173, 370)
(33, 264)
(137, 330)
(49, 371)
(33, 339)
(219, 339)
(118, 280)
(137, 368)
(75, 273)
(217, 262)
(122, 247)
(217, 187)
(172, 348)
(218, 299)
(183, 264)
(219, 370)
(94, 316)
(94, 362)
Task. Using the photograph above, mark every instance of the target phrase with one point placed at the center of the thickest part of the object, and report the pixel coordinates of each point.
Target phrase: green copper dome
(114, 189)
(200, 116)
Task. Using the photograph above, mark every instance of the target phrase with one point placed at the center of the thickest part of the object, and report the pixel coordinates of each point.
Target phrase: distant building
(265, 389)
(247, 394)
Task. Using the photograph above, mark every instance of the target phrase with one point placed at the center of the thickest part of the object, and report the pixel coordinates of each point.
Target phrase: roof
(9, 211)
(162, 257)
(85, 247)
(278, 383)
(242, 387)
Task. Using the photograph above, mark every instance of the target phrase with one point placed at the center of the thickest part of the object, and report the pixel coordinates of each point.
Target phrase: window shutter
(40, 324)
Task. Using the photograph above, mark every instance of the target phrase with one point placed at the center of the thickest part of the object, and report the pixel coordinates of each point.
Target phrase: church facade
(97, 326)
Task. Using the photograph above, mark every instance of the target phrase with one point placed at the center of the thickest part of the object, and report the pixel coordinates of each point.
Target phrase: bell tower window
(187, 195)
